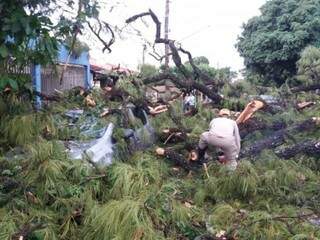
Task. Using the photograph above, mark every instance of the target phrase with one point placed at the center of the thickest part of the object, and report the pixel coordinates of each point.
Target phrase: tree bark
(173, 135)
(254, 124)
(180, 159)
(278, 138)
(309, 147)
(305, 88)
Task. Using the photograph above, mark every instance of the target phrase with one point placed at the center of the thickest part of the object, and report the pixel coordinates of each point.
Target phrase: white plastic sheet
(102, 151)
(99, 150)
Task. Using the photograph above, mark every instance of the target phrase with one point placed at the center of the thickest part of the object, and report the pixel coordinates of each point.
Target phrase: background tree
(271, 43)
(309, 66)
(21, 22)
(31, 31)
(148, 70)
(201, 60)
(218, 75)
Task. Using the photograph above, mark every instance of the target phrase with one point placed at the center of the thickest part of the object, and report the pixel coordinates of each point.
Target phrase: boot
(201, 153)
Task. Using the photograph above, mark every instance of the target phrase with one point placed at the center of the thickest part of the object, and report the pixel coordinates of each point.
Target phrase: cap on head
(224, 112)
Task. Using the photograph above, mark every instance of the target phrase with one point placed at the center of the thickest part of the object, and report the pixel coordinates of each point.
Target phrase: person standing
(186, 102)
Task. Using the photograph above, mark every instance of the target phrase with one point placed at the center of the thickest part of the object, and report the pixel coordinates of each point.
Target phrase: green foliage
(19, 130)
(143, 197)
(309, 65)
(48, 168)
(25, 128)
(7, 227)
(148, 70)
(271, 43)
(78, 47)
(242, 184)
(25, 32)
(222, 218)
(28, 35)
(201, 60)
(219, 75)
(130, 180)
(122, 219)
(238, 90)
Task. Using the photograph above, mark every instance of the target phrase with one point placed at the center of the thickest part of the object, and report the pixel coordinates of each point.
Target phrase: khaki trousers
(227, 145)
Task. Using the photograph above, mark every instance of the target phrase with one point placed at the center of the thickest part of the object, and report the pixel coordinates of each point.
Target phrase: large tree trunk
(255, 124)
(278, 138)
(305, 88)
(309, 147)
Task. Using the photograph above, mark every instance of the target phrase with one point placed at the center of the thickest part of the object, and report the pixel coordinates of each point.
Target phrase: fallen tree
(278, 138)
(177, 158)
(255, 124)
(186, 84)
(308, 88)
(188, 81)
(308, 147)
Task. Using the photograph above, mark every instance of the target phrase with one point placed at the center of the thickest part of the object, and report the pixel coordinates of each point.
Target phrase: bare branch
(108, 28)
(187, 83)
(196, 70)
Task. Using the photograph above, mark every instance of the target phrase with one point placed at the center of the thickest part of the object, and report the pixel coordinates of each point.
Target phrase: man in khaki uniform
(224, 134)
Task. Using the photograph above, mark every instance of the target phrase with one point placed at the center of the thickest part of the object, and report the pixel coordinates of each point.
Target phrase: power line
(196, 32)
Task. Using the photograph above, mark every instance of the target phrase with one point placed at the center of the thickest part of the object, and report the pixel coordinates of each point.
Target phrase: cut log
(249, 110)
(303, 105)
(178, 159)
(108, 111)
(310, 147)
(89, 101)
(158, 109)
(278, 138)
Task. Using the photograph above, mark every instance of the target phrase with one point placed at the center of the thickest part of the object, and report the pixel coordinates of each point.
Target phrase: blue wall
(63, 53)
(83, 60)
(62, 57)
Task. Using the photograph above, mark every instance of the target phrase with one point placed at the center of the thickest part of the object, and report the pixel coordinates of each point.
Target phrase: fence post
(87, 82)
(36, 81)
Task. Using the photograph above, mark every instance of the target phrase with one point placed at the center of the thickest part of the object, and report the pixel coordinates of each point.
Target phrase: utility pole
(166, 35)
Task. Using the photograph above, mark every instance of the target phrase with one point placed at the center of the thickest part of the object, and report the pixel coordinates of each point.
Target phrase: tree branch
(183, 83)
(106, 44)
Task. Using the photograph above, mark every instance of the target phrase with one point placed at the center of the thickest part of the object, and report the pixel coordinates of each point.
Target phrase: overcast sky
(204, 27)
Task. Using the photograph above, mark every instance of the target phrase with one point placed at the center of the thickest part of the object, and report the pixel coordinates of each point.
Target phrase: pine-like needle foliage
(130, 180)
(120, 219)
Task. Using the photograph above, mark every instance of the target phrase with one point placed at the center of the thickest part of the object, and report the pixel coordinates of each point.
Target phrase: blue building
(46, 79)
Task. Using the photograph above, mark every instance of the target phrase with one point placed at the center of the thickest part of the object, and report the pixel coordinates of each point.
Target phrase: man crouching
(224, 134)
